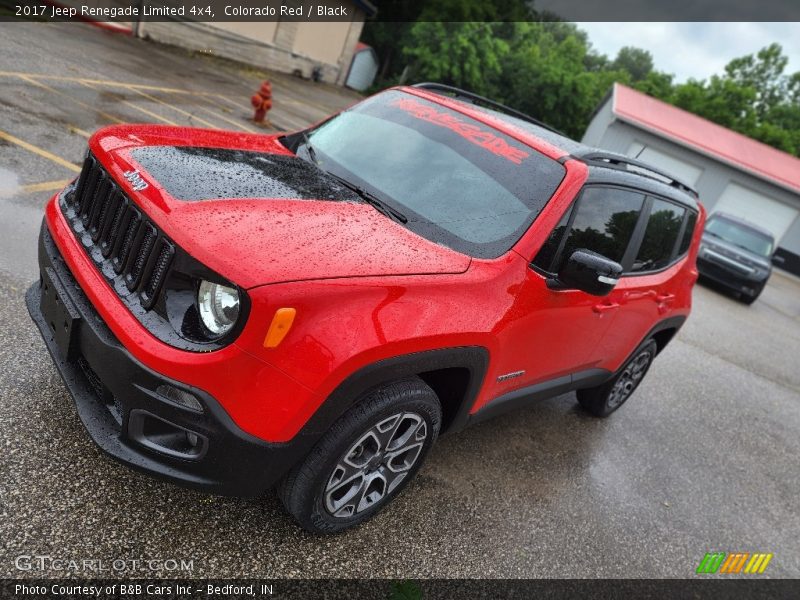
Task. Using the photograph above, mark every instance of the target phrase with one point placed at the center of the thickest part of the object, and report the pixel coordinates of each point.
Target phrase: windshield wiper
(310, 149)
(744, 247)
(371, 199)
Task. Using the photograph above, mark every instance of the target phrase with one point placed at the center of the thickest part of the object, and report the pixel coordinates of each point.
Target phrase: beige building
(284, 46)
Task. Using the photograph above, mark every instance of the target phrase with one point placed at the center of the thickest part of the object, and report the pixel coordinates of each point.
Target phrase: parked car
(234, 312)
(736, 254)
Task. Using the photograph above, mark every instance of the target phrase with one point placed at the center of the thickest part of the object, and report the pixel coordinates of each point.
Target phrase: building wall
(283, 46)
(600, 122)
(353, 35)
(320, 41)
(618, 136)
(263, 33)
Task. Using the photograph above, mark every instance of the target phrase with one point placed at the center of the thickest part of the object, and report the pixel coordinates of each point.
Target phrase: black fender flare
(474, 359)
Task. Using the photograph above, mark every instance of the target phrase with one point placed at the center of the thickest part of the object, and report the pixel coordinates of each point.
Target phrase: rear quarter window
(660, 235)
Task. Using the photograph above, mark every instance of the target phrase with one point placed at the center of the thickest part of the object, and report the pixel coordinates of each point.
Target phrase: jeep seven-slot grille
(117, 234)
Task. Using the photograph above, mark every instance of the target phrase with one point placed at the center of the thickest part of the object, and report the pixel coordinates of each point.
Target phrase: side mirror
(589, 272)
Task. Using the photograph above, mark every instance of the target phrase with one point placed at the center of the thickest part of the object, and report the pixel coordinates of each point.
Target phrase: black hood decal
(191, 173)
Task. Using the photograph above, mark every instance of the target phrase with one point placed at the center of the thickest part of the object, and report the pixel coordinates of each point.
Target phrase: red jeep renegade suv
(234, 312)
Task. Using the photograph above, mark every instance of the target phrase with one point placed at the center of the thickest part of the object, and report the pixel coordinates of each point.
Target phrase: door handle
(664, 297)
(638, 294)
(601, 308)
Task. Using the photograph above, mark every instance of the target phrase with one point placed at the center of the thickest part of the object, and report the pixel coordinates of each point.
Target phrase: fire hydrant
(262, 102)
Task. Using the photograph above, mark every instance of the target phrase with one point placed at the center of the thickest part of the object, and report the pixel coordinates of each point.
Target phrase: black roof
(609, 167)
(634, 179)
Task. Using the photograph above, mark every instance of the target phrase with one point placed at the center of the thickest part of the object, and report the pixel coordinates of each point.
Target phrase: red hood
(255, 228)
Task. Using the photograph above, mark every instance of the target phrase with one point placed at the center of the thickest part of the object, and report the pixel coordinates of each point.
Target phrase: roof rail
(477, 99)
(613, 160)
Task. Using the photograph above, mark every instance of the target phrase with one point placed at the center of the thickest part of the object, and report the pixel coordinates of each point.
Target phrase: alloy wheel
(375, 464)
(629, 379)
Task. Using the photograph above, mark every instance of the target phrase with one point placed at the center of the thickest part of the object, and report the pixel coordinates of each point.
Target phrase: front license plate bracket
(60, 314)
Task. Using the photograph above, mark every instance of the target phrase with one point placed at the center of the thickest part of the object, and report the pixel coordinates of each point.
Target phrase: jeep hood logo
(135, 178)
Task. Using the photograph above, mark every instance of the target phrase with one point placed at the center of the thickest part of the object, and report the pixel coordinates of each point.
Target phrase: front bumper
(729, 277)
(125, 408)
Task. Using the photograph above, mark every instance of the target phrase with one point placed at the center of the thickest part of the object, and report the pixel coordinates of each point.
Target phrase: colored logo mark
(734, 562)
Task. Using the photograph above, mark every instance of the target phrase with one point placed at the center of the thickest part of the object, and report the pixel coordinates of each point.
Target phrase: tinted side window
(660, 235)
(686, 241)
(604, 221)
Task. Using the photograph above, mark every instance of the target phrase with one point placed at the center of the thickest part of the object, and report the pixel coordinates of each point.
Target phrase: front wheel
(365, 459)
(750, 298)
(604, 399)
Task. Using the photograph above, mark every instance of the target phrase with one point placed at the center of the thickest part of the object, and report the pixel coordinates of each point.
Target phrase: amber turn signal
(280, 326)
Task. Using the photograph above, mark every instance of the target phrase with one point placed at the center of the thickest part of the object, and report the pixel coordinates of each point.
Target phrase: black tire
(604, 399)
(315, 492)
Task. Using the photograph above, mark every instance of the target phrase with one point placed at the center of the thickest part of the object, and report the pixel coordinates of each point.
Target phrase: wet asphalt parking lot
(703, 458)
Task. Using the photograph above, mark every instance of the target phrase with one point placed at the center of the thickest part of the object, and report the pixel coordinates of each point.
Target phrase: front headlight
(218, 306)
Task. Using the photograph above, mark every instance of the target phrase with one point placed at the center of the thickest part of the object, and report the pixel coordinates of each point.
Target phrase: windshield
(740, 235)
(456, 180)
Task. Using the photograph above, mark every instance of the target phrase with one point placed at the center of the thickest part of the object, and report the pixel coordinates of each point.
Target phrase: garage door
(757, 208)
(686, 172)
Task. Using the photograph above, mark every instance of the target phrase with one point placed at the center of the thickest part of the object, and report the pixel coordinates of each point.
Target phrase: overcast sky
(696, 50)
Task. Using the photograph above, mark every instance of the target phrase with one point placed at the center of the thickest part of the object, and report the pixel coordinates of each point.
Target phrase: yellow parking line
(216, 114)
(105, 82)
(213, 98)
(241, 126)
(80, 132)
(136, 107)
(237, 103)
(45, 186)
(40, 151)
(209, 100)
(30, 79)
(175, 108)
(149, 113)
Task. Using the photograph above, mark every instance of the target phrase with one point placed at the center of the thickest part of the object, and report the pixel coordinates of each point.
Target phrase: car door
(646, 292)
(559, 332)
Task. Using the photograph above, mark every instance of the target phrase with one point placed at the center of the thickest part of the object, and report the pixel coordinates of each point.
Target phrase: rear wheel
(604, 399)
(365, 459)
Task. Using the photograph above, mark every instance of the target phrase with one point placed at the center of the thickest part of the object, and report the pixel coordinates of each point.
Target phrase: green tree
(467, 55)
(549, 70)
(657, 84)
(763, 73)
(720, 100)
(753, 97)
(545, 69)
(392, 34)
(637, 62)
(544, 75)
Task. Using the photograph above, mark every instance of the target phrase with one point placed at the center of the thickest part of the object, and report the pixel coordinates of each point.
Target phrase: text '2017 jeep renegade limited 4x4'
(310, 311)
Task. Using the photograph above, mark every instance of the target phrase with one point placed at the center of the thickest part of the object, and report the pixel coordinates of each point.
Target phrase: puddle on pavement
(9, 183)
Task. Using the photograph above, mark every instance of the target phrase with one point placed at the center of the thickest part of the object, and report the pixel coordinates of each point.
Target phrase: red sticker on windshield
(480, 137)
